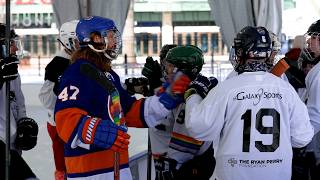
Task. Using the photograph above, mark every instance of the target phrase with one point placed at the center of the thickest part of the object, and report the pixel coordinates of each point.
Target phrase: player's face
(111, 40)
(15, 47)
(307, 68)
(169, 71)
(107, 40)
(313, 43)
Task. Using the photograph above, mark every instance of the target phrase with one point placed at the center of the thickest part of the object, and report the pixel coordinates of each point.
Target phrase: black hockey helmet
(314, 28)
(252, 43)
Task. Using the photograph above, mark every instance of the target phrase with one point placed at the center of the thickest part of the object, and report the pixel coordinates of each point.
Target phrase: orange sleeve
(135, 116)
(67, 120)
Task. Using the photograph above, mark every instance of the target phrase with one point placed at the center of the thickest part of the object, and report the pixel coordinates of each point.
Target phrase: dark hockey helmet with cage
(252, 47)
(307, 54)
(314, 28)
(188, 59)
(14, 38)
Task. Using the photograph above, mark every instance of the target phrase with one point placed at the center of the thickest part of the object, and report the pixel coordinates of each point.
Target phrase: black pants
(304, 166)
(19, 169)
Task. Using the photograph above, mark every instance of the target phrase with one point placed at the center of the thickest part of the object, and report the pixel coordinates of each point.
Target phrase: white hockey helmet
(67, 35)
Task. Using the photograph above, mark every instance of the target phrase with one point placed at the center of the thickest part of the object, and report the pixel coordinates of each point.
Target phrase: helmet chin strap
(100, 50)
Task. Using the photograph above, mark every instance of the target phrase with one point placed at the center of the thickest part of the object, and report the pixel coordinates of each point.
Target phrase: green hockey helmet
(188, 59)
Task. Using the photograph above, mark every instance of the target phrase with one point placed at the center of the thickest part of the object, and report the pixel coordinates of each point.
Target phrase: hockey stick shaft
(280, 68)
(116, 166)
(7, 152)
(149, 158)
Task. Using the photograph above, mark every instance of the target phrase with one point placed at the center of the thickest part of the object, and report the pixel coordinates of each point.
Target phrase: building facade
(150, 25)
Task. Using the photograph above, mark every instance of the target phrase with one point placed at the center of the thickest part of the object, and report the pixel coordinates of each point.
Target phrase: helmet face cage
(276, 48)
(16, 48)
(113, 43)
(16, 45)
(252, 47)
(233, 58)
(67, 36)
(163, 53)
(101, 35)
(311, 50)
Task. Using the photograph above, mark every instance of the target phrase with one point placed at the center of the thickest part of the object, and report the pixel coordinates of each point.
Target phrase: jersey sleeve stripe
(67, 120)
(135, 117)
(76, 164)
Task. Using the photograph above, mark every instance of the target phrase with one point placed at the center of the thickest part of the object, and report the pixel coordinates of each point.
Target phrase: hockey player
(47, 94)
(176, 154)
(93, 110)
(310, 56)
(254, 119)
(24, 130)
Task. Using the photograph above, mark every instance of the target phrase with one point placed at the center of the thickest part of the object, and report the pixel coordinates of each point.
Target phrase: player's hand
(137, 85)
(171, 95)
(27, 132)
(152, 71)
(8, 68)
(201, 85)
(103, 134)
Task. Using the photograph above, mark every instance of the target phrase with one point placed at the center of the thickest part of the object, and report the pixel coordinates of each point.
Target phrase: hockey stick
(149, 158)
(103, 81)
(7, 104)
(280, 68)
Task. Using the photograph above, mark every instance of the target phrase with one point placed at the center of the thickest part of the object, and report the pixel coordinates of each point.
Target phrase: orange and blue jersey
(80, 95)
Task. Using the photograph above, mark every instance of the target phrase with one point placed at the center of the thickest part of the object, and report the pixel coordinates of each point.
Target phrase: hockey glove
(8, 68)
(152, 71)
(201, 85)
(137, 85)
(54, 70)
(103, 134)
(172, 95)
(27, 132)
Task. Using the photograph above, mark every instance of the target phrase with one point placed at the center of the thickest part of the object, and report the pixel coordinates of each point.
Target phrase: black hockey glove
(8, 69)
(200, 167)
(152, 71)
(27, 132)
(201, 85)
(54, 70)
(137, 85)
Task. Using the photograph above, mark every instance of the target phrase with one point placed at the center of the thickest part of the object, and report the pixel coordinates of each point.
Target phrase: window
(204, 42)
(214, 42)
(52, 44)
(44, 45)
(35, 44)
(188, 39)
(27, 43)
(145, 38)
(154, 38)
(195, 39)
(138, 47)
(179, 39)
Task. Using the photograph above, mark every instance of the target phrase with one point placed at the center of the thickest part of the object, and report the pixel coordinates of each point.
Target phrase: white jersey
(47, 96)
(313, 96)
(174, 141)
(17, 109)
(254, 119)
